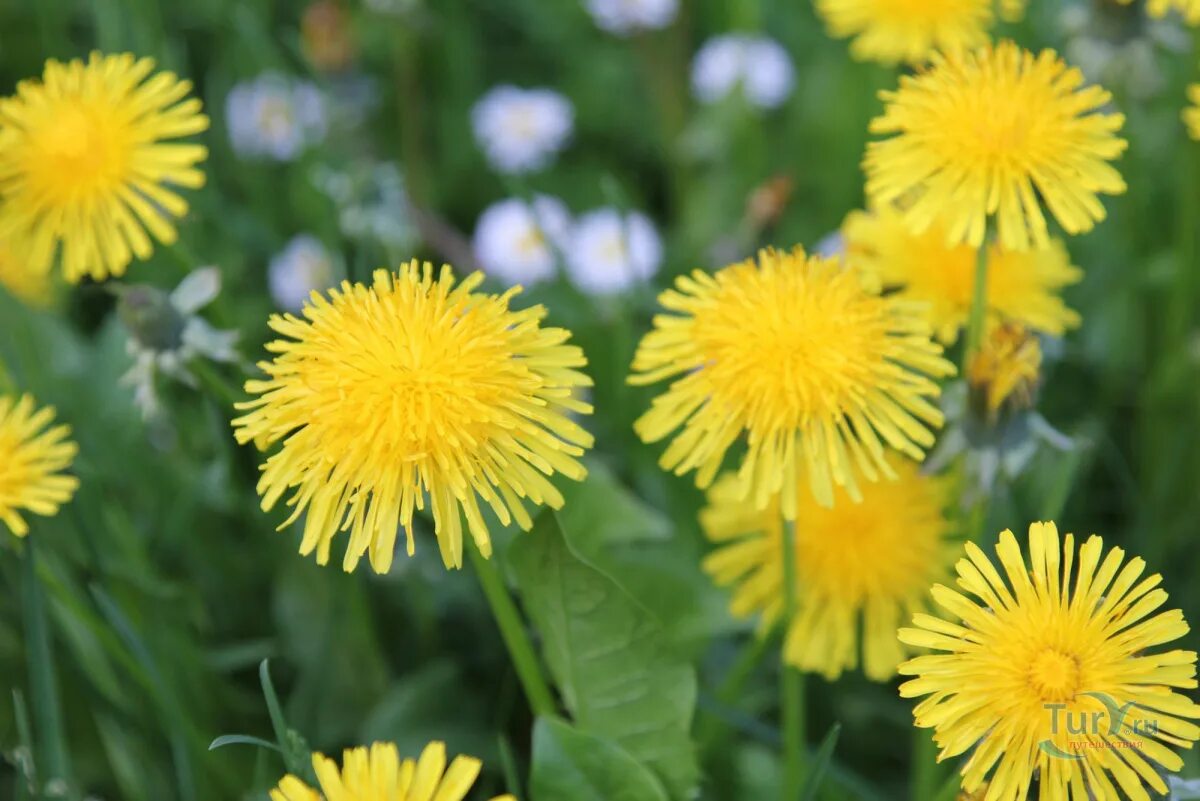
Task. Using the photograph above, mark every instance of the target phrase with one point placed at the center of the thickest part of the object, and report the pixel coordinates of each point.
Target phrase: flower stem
(792, 681)
(222, 390)
(978, 308)
(925, 771)
(512, 629)
(51, 761)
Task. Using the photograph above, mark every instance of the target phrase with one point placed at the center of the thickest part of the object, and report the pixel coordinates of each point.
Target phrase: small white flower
(303, 266)
(520, 242)
(759, 65)
(833, 245)
(275, 117)
(610, 251)
(624, 17)
(521, 130)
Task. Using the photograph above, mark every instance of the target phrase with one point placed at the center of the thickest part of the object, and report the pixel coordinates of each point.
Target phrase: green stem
(215, 383)
(51, 760)
(978, 308)
(925, 771)
(792, 680)
(731, 687)
(512, 629)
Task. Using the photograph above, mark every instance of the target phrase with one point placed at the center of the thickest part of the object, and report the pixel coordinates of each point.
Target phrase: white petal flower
(275, 117)
(521, 130)
(757, 64)
(520, 242)
(624, 17)
(610, 251)
(302, 267)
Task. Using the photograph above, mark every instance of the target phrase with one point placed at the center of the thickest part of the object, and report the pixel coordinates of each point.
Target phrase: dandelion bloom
(1005, 371)
(796, 353)
(889, 32)
(872, 560)
(32, 457)
(1189, 9)
(379, 773)
(992, 134)
(414, 386)
(1191, 114)
(84, 163)
(1021, 285)
(1037, 675)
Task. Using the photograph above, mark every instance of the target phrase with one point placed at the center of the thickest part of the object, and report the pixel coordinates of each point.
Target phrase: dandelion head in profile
(1022, 286)
(1049, 666)
(414, 390)
(862, 569)
(988, 137)
(379, 773)
(87, 165)
(522, 130)
(521, 242)
(612, 250)
(758, 65)
(33, 455)
(817, 371)
(1004, 374)
(891, 31)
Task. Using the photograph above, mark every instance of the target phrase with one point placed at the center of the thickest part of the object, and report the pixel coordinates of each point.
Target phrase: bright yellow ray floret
(862, 569)
(33, 454)
(818, 372)
(1022, 286)
(989, 136)
(409, 388)
(1049, 665)
(1006, 369)
(890, 31)
(85, 163)
(379, 774)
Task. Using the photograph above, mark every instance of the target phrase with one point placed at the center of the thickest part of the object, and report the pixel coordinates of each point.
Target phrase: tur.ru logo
(1107, 728)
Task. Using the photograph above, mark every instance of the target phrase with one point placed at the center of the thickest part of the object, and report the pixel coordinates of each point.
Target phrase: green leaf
(820, 764)
(570, 765)
(242, 739)
(608, 657)
(638, 548)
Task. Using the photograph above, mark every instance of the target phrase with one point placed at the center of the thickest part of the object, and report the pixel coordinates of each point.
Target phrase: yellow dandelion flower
(1189, 9)
(1005, 371)
(796, 353)
(871, 561)
(414, 386)
(22, 282)
(32, 457)
(993, 134)
(1191, 114)
(84, 163)
(379, 773)
(1021, 285)
(890, 31)
(1039, 675)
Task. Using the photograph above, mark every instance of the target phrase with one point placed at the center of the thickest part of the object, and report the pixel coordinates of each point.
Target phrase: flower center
(82, 152)
(531, 242)
(1054, 676)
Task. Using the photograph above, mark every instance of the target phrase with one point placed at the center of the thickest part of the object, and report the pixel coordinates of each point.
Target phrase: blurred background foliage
(167, 584)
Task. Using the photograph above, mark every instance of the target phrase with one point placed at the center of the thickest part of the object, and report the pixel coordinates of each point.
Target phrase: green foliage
(608, 657)
(572, 765)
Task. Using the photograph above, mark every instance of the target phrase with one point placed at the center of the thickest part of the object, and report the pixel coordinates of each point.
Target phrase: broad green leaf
(571, 765)
(638, 548)
(617, 676)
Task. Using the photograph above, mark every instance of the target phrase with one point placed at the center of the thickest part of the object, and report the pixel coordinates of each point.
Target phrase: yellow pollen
(1054, 676)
